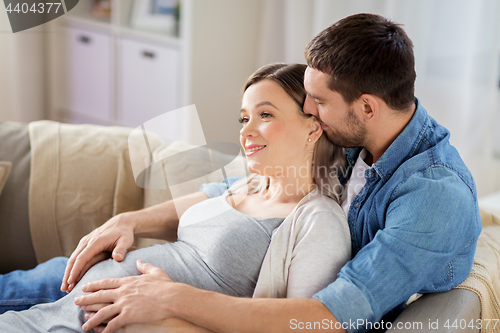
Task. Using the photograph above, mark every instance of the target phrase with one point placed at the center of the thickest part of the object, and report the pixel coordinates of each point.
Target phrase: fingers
(96, 259)
(97, 329)
(116, 235)
(104, 284)
(120, 249)
(90, 315)
(95, 307)
(100, 317)
(149, 269)
(115, 324)
(145, 268)
(83, 258)
(69, 265)
(98, 297)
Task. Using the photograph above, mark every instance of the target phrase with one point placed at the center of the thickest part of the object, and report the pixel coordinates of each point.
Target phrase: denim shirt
(414, 226)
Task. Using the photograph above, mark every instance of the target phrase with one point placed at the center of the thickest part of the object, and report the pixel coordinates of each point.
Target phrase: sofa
(60, 181)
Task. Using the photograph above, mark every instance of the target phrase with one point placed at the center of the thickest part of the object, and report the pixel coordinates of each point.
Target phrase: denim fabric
(414, 227)
(216, 189)
(20, 290)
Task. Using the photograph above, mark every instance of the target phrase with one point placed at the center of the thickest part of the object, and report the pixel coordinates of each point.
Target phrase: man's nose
(310, 106)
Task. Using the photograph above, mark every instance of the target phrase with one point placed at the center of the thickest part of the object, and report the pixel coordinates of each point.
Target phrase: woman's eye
(265, 115)
(243, 120)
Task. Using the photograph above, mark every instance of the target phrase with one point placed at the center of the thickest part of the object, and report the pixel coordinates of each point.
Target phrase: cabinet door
(148, 79)
(89, 75)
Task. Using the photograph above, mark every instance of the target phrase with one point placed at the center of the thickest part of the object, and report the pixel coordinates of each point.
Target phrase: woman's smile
(252, 149)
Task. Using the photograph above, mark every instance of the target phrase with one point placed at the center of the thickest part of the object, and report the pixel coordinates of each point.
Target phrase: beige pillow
(4, 173)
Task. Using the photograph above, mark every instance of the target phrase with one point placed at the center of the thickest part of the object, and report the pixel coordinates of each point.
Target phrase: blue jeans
(20, 290)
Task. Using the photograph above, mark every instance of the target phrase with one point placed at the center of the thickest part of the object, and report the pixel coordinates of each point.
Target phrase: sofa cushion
(80, 178)
(4, 173)
(15, 236)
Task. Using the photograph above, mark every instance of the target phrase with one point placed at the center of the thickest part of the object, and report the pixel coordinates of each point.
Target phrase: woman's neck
(285, 189)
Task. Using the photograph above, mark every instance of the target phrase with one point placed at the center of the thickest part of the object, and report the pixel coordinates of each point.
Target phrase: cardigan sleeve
(322, 247)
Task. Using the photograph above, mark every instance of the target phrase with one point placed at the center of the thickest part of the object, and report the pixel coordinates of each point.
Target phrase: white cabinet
(89, 74)
(148, 81)
(106, 71)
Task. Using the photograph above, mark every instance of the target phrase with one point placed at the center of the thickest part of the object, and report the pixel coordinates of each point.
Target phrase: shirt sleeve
(323, 246)
(431, 224)
(213, 190)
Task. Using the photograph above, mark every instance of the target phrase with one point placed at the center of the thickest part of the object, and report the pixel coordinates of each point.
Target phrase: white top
(356, 182)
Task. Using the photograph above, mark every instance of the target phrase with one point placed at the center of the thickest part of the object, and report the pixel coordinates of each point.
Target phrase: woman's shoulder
(318, 212)
(315, 202)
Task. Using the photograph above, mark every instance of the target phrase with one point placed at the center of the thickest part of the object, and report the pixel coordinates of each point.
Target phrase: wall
(22, 72)
(219, 114)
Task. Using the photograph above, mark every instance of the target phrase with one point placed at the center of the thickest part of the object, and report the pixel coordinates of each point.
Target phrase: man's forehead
(314, 73)
(315, 82)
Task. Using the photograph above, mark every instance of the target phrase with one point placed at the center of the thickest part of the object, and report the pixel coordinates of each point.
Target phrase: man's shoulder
(434, 169)
(435, 158)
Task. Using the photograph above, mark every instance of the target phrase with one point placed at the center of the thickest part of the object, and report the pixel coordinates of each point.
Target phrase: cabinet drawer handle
(84, 39)
(148, 54)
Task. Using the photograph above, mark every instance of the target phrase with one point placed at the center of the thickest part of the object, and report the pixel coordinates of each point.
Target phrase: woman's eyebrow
(259, 105)
(265, 103)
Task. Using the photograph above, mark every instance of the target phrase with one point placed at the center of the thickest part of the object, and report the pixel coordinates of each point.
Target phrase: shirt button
(356, 205)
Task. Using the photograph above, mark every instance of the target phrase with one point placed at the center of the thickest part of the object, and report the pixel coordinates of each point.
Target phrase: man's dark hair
(366, 54)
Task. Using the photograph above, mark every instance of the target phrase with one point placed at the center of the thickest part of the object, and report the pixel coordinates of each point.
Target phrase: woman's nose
(249, 129)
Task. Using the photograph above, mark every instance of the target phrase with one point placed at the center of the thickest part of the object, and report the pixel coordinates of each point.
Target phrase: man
(411, 205)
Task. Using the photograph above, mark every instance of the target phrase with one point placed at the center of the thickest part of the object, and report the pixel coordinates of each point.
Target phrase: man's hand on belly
(130, 300)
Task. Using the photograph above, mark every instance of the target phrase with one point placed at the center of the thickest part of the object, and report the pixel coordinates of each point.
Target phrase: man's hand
(125, 301)
(115, 236)
(169, 325)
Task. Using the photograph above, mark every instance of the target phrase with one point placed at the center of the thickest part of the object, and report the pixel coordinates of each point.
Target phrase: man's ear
(315, 131)
(370, 106)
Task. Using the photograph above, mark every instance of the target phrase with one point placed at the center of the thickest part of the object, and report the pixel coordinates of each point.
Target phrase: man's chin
(332, 137)
(339, 141)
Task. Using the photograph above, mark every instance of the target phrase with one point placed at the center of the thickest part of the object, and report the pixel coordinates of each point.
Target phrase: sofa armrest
(440, 309)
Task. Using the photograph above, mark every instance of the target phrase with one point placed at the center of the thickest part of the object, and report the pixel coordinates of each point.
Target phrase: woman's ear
(315, 131)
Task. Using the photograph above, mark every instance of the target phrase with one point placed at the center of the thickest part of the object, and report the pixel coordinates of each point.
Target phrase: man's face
(338, 119)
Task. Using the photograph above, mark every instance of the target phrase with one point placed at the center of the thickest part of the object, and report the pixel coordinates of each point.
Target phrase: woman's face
(274, 133)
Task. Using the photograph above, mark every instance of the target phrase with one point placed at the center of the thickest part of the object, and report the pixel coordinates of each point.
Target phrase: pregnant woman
(290, 205)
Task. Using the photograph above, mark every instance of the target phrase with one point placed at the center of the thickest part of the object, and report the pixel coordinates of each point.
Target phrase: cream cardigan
(306, 251)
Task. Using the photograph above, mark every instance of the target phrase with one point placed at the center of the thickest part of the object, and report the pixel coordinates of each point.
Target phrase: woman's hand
(115, 236)
(132, 300)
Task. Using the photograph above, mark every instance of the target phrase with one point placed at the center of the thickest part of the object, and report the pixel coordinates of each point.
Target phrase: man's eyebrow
(313, 97)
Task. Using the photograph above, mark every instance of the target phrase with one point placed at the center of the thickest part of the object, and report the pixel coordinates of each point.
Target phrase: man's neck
(383, 136)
